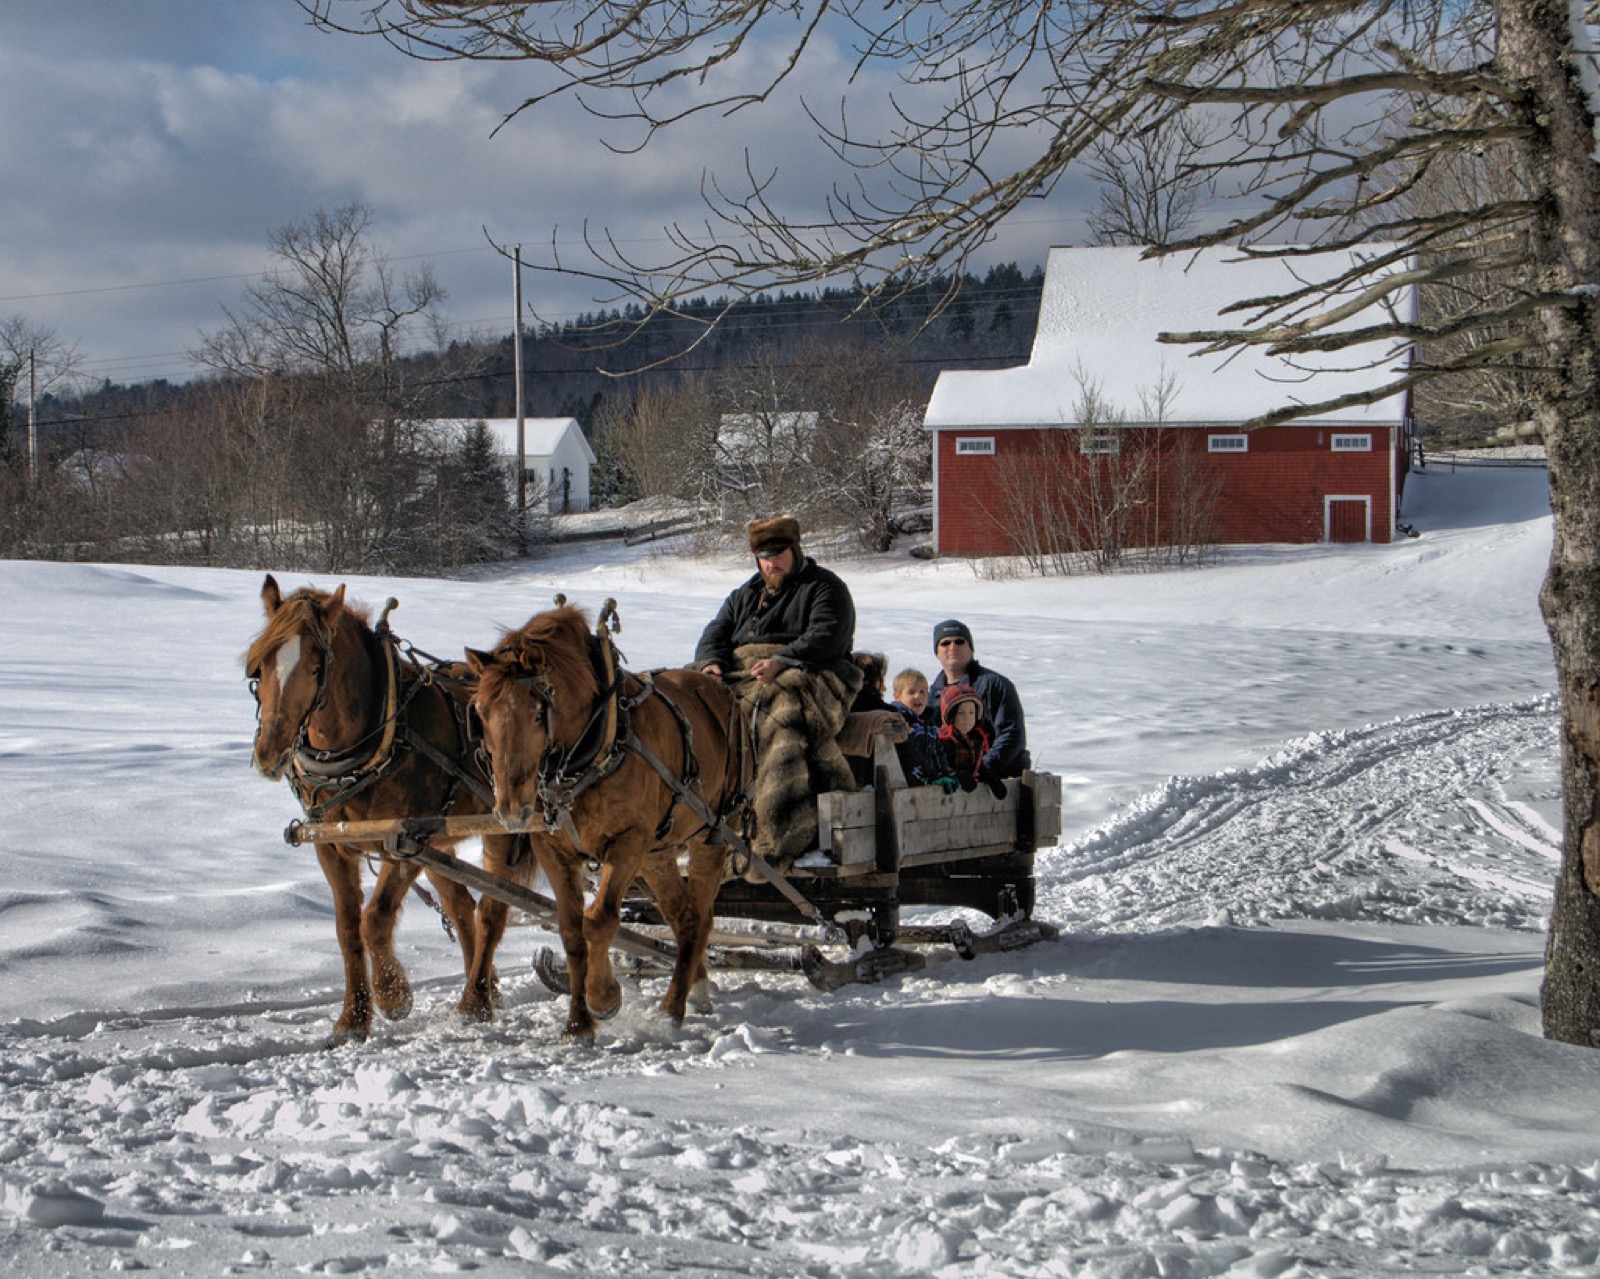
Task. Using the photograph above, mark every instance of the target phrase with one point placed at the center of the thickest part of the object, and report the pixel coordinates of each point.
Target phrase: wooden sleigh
(882, 848)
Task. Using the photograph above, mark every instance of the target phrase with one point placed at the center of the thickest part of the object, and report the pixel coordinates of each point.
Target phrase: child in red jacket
(964, 740)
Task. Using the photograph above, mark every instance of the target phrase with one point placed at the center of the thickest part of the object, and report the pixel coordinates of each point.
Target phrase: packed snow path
(1433, 819)
(1075, 1117)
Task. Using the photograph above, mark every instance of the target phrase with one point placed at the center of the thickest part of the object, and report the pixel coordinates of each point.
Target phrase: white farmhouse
(556, 456)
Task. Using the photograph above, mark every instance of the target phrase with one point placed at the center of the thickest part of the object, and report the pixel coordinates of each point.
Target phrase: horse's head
(288, 666)
(535, 691)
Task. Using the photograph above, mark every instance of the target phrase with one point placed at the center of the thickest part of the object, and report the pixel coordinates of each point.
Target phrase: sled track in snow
(1422, 820)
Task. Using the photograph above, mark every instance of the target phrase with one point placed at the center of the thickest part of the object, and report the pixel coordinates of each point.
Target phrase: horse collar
(353, 761)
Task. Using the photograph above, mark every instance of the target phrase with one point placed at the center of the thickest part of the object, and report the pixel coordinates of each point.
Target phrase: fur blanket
(795, 722)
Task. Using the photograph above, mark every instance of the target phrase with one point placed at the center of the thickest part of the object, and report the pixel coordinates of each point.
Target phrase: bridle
(324, 779)
(322, 645)
(567, 769)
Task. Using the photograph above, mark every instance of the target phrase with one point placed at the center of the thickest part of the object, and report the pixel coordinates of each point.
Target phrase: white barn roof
(1098, 320)
(541, 436)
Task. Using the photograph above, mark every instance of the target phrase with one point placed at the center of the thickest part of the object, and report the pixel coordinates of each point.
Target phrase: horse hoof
(402, 1010)
(343, 1035)
(699, 999)
(474, 1010)
(606, 1014)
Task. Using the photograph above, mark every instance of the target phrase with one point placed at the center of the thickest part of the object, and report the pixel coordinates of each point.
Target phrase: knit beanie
(953, 696)
(951, 628)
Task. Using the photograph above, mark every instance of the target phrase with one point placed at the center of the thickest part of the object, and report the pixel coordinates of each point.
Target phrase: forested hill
(985, 322)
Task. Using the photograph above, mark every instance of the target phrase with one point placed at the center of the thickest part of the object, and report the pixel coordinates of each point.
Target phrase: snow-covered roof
(540, 438)
(1098, 320)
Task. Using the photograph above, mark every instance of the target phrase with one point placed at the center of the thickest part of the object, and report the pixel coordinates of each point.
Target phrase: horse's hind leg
(391, 986)
(343, 873)
(674, 902)
(460, 909)
(690, 982)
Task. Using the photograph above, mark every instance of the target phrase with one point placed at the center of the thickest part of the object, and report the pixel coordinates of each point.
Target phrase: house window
(1352, 443)
(1099, 442)
(1228, 443)
(974, 446)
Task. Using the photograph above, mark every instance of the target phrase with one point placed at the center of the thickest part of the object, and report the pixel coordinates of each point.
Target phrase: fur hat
(774, 535)
(951, 628)
(953, 696)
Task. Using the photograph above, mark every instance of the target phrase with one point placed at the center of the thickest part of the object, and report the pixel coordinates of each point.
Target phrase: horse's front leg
(482, 991)
(564, 870)
(618, 869)
(391, 986)
(342, 870)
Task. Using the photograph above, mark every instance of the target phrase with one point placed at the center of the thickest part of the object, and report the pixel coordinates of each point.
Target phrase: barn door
(1349, 519)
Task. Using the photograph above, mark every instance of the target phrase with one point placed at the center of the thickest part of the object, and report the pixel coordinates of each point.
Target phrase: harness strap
(324, 764)
(763, 867)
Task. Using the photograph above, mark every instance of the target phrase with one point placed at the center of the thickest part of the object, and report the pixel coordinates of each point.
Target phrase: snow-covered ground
(1291, 1028)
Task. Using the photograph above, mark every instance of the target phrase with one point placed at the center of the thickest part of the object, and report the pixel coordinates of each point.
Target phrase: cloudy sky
(151, 149)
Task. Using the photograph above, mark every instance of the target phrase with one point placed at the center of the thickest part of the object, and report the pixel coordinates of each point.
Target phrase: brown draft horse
(627, 769)
(364, 733)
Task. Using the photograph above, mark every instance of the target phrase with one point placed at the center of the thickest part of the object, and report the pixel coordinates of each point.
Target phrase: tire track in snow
(1424, 819)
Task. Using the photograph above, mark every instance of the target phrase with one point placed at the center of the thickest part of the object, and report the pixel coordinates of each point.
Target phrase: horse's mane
(299, 612)
(554, 642)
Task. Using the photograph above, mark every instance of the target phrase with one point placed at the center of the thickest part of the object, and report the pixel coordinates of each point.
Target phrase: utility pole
(33, 418)
(516, 349)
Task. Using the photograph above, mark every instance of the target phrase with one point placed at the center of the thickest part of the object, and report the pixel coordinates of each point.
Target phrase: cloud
(158, 147)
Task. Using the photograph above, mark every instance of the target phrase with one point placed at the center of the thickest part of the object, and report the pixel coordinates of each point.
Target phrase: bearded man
(784, 638)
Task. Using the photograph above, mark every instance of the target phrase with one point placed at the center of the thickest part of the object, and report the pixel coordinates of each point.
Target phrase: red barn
(1108, 436)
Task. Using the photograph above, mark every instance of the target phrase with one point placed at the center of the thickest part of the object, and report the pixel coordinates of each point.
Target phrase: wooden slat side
(1046, 790)
(845, 825)
(885, 756)
(944, 855)
(929, 821)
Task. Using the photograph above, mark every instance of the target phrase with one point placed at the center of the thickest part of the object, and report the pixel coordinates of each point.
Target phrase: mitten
(946, 784)
(997, 788)
(969, 783)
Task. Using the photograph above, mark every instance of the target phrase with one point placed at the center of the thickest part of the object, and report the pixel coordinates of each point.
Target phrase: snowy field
(1291, 1028)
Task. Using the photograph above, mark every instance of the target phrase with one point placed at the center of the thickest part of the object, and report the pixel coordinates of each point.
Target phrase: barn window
(1352, 443)
(1099, 442)
(974, 446)
(1228, 443)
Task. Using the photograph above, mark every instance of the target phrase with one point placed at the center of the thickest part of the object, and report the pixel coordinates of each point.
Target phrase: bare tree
(1338, 108)
(33, 362)
(1150, 181)
(321, 334)
(873, 452)
(1501, 390)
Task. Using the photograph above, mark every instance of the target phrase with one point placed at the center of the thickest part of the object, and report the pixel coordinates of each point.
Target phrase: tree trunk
(1536, 53)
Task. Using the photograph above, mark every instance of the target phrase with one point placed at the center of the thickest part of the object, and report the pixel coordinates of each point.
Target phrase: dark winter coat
(812, 620)
(922, 759)
(964, 753)
(1007, 753)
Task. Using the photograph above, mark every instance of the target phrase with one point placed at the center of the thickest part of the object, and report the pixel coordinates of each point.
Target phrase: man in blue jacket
(1008, 752)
